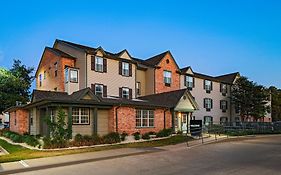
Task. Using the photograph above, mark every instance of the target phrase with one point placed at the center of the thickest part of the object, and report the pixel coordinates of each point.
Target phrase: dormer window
(189, 82)
(208, 86)
(99, 64)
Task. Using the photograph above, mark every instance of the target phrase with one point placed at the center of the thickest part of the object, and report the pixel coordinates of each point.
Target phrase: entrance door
(184, 123)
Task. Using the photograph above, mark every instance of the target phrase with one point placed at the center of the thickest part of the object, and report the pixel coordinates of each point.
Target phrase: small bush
(112, 137)
(123, 136)
(16, 138)
(136, 135)
(31, 140)
(78, 138)
(164, 133)
(145, 136)
(152, 133)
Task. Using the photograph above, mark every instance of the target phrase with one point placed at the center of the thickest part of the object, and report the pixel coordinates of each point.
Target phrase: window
(208, 86)
(74, 76)
(144, 118)
(99, 90)
(223, 89)
(125, 69)
(223, 120)
(99, 64)
(80, 116)
(208, 104)
(189, 82)
(208, 120)
(45, 75)
(223, 105)
(66, 75)
(56, 69)
(125, 93)
(167, 78)
(138, 87)
(40, 80)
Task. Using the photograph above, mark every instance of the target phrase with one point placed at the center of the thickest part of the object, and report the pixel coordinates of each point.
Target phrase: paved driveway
(261, 156)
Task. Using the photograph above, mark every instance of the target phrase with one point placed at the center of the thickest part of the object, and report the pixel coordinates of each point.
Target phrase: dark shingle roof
(60, 53)
(166, 99)
(156, 59)
(183, 70)
(38, 95)
(229, 78)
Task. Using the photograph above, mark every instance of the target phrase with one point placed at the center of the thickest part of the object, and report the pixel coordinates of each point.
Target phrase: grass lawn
(20, 153)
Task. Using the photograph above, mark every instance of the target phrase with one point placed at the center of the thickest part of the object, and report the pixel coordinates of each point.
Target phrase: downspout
(86, 80)
(165, 117)
(116, 116)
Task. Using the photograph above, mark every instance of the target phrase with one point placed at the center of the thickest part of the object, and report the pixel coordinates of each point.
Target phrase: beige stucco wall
(111, 78)
(150, 83)
(80, 61)
(199, 93)
(140, 77)
(102, 124)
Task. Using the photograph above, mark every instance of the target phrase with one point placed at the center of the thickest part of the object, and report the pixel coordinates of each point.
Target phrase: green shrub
(136, 135)
(164, 132)
(78, 138)
(123, 136)
(145, 136)
(31, 140)
(112, 137)
(152, 133)
(16, 138)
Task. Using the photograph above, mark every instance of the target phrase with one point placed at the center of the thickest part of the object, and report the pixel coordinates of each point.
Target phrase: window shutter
(220, 104)
(93, 88)
(204, 84)
(93, 62)
(220, 87)
(130, 69)
(225, 104)
(120, 67)
(185, 81)
(104, 65)
(211, 103)
(193, 82)
(130, 93)
(120, 92)
(104, 91)
(211, 85)
(204, 102)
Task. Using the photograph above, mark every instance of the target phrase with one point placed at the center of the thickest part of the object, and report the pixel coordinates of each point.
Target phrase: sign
(195, 127)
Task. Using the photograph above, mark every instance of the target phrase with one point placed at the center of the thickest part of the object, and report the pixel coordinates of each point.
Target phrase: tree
(250, 98)
(275, 103)
(14, 85)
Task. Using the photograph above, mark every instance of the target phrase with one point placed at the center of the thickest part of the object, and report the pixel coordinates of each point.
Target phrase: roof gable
(187, 70)
(84, 94)
(124, 54)
(186, 103)
(157, 59)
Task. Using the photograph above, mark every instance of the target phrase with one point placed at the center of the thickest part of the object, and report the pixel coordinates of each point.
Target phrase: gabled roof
(169, 99)
(229, 78)
(78, 95)
(38, 95)
(185, 69)
(155, 60)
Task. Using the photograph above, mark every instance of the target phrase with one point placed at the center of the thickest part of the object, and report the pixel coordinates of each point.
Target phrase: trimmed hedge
(17, 138)
(146, 136)
(165, 133)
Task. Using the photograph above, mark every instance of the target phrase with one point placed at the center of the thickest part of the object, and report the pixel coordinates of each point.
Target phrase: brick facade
(127, 120)
(48, 61)
(19, 121)
(168, 64)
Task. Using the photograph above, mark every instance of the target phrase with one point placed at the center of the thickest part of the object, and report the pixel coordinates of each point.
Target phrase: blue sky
(214, 37)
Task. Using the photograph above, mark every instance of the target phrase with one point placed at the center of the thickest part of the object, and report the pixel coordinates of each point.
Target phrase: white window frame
(189, 81)
(99, 92)
(66, 75)
(79, 115)
(144, 118)
(224, 88)
(167, 77)
(208, 103)
(73, 79)
(127, 94)
(209, 121)
(208, 85)
(99, 64)
(125, 69)
(138, 88)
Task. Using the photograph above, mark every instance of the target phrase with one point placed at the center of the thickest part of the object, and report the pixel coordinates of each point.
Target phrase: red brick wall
(19, 121)
(159, 75)
(127, 120)
(48, 64)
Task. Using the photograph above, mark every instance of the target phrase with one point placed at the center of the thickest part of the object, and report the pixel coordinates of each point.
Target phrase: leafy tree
(250, 98)
(15, 84)
(58, 130)
(275, 103)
